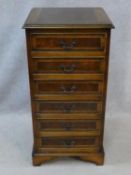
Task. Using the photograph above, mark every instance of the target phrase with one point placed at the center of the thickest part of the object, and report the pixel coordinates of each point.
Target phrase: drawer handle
(68, 89)
(67, 126)
(68, 108)
(68, 143)
(68, 69)
(67, 46)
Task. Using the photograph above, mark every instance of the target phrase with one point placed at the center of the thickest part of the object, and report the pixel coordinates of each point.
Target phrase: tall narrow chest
(68, 55)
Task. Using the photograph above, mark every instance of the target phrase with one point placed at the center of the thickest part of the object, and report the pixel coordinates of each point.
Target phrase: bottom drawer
(68, 142)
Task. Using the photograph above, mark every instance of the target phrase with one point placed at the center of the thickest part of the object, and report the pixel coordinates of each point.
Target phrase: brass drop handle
(67, 46)
(67, 69)
(68, 108)
(68, 89)
(68, 143)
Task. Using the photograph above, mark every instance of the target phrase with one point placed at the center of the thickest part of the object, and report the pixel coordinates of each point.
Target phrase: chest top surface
(68, 17)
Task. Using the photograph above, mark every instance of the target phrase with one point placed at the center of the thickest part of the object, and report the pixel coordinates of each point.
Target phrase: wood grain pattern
(68, 87)
(68, 106)
(62, 116)
(68, 142)
(68, 76)
(68, 125)
(65, 65)
(68, 17)
(66, 42)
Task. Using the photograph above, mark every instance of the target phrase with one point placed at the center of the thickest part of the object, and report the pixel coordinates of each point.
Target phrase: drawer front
(68, 87)
(68, 107)
(68, 142)
(90, 65)
(68, 42)
(68, 125)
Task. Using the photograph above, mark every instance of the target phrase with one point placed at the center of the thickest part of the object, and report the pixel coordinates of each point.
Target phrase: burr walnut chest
(68, 54)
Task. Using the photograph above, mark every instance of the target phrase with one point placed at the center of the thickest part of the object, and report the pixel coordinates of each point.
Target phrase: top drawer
(69, 42)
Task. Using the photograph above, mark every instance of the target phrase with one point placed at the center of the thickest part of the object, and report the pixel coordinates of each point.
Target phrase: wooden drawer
(68, 42)
(68, 106)
(68, 87)
(89, 65)
(68, 125)
(68, 142)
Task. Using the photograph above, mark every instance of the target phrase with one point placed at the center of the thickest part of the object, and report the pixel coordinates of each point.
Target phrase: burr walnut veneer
(68, 54)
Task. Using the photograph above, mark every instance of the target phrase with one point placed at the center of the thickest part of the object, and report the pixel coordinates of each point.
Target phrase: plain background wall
(15, 126)
(14, 91)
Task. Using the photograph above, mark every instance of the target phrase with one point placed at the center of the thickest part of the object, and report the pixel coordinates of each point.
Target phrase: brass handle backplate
(67, 46)
(68, 143)
(70, 89)
(67, 69)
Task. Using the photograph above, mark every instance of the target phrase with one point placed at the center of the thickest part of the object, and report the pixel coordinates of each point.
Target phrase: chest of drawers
(68, 53)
